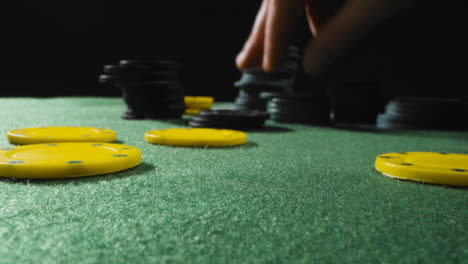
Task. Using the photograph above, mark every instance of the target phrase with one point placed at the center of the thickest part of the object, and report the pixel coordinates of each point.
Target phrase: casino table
(293, 193)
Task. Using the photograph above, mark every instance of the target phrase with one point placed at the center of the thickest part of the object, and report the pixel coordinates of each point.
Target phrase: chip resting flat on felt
(196, 137)
(37, 135)
(65, 160)
(431, 167)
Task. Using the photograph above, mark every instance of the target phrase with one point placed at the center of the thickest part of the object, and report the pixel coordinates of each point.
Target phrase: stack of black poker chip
(355, 102)
(254, 81)
(423, 113)
(296, 107)
(304, 102)
(230, 119)
(150, 88)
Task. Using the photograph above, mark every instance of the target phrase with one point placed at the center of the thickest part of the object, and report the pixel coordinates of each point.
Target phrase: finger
(251, 54)
(281, 18)
(353, 20)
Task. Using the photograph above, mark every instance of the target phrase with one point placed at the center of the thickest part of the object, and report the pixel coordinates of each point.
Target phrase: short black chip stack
(305, 102)
(297, 107)
(230, 119)
(355, 102)
(150, 88)
(254, 81)
(423, 113)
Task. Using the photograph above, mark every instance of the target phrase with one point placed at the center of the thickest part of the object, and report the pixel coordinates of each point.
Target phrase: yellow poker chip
(192, 111)
(198, 102)
(431, 167)
(66, 160)
(60, 134)
(196, 137)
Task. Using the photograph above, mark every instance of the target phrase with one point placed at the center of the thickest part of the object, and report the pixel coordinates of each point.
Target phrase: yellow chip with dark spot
(60, 134)
(196, 137)
(431, 167)
(66, 160)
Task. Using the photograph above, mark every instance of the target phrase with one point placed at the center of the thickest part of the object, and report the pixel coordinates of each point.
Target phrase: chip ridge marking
(407, 164)
(16, 162)
(75, 162)
(120, 155)
(459, 170)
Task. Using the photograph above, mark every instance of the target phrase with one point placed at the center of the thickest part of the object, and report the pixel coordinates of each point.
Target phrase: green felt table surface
(294, 193)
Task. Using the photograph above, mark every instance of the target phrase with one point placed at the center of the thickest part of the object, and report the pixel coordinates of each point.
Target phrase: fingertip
(267, 67)
(240, 60)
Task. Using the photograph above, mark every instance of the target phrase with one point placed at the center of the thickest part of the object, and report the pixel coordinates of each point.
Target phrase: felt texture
(293, 193)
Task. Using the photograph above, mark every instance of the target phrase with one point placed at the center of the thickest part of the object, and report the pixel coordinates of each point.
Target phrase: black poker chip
(150, 88)
(149, 64)
(254, 81)
(423, 113)
(230, 119)
(231, 115)
(298, 107)
(107, 79)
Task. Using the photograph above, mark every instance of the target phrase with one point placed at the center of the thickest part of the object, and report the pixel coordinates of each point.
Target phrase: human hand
(336, 25)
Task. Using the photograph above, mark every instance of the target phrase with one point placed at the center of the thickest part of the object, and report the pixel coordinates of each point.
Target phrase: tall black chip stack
(355, 102)
(150, 88)
(254, 81)
(423, 113)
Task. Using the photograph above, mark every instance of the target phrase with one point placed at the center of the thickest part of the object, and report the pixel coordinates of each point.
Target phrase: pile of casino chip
(195, 104)
(150, 88)
(423, 113)
(65, 152)
(69, 152)
(287, 95)
(231, 119)
(254, 81)
(296, 107)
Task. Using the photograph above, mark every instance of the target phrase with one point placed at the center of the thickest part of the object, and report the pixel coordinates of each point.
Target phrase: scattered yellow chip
(60, 134)
(431, 167)
(198, 102)
(196, 137)
(65, 160)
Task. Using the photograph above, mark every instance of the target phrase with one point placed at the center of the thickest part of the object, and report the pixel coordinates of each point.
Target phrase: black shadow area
(272, 129)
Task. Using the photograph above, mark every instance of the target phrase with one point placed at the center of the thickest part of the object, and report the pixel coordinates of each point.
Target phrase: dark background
(56, 48)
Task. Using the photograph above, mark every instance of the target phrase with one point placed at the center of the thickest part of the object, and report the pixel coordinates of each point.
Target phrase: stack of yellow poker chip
(195, 104)
(64, 152)
(430, 167)
(196, 137)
